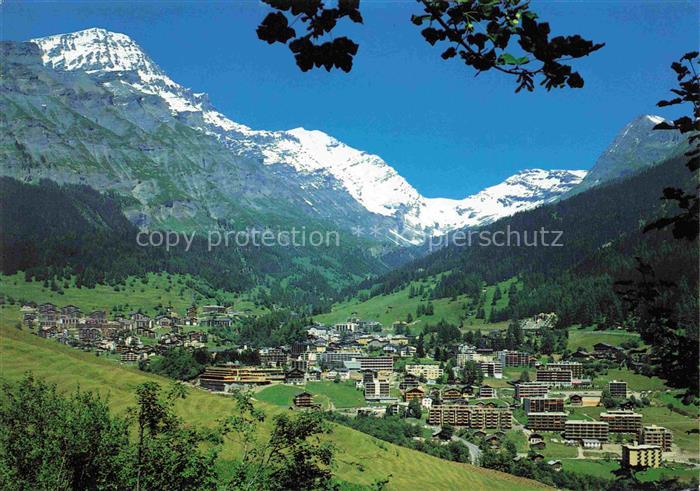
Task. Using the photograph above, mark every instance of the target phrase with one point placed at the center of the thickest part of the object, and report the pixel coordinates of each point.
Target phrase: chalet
(198, 336)
(305, 400)
(70, 315)
(538, 446)
(165, 321)
(555, 464)
(494, 441)
(451, 394)
(576, 400)
(88, 334)
(486, 391)
(414, 393)
(407, 351)
(140, 321)
(409, 382)
(146, 332)
(46, 308)
(581, 355)
(217, 321)
(295, 377)
(535, 457)
(213, 309)
(535, 438)
(97, 317)
(607, 351)
(314, 375)
(48, 332)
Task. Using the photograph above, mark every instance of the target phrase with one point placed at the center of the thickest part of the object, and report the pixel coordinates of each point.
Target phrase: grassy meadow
(361, 459)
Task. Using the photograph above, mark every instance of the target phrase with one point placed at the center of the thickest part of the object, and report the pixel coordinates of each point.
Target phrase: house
(451, 394)
(414, 393)
(199, 336)
(576, 400)
(535, 438)
(407, 351)
(555, 464)
(70, 315)
(305, 400)
(486, 392)
(535, 457)
(408, 382)
(428, 372)
(591, 443)
(140, 321)
(295, 377)
(494, 441)
(314, 375)
(538, 446)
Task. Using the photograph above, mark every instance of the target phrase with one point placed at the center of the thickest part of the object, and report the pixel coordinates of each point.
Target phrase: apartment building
(575, 367)
(641, 456)
(554, 377)
(618, 389)
(586, 430)
(377, 388)
(491, 369)
(530, 389)
(622, 420)
(513, 358)
(656, 435)
(546, 421)
(429, 372)
(543, 405)
(335, 359)
(220, 379)
(476, 416)
(378, 364)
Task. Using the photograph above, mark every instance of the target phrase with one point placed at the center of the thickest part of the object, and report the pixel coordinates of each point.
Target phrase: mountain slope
(600, 234)
(323, 176)
(636, 147)
(361, 458)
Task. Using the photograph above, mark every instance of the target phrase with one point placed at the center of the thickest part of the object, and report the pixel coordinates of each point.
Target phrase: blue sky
(448, 133)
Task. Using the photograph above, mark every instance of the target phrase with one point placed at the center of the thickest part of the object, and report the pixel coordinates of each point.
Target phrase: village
(481, 396)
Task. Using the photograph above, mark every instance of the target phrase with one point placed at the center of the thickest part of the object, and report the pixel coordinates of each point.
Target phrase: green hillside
(159, 289)
(361, 458)
(396, 306)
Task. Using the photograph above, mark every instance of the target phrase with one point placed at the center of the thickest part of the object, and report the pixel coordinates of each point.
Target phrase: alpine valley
(375, 360)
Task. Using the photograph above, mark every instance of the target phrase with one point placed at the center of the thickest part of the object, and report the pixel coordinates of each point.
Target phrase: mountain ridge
(323, 161)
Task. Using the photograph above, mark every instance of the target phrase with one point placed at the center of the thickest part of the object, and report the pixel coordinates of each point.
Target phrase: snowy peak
(322, 163)
(96, 50)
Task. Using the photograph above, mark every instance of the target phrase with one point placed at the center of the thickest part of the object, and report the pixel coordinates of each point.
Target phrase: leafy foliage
(308, 51)
(481, 33)
(50, 441)
(294, 457)
(685, 224)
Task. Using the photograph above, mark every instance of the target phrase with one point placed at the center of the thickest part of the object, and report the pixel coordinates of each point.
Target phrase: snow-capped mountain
(321, 163)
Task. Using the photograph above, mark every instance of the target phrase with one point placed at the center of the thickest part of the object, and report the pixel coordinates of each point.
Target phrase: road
(474, 451)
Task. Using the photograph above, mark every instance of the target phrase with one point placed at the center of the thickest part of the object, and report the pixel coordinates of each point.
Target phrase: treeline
(52, 232)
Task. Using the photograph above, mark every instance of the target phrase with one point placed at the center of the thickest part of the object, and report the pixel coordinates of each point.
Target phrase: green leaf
(508, 59)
